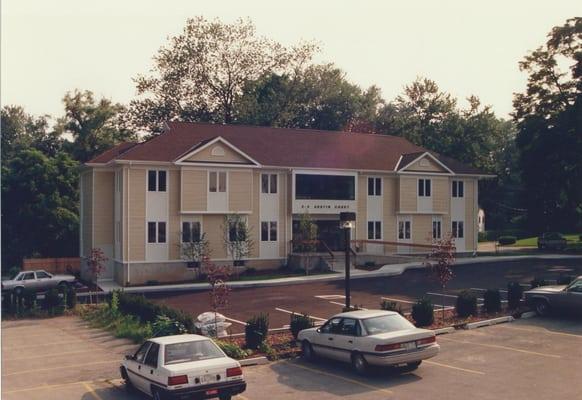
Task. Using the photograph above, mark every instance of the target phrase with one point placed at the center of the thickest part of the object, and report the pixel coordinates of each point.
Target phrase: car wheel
(227, 396)
(542, 307)
(412, 366)
(156, 394)
(128, 385)
(359, 363)
(18, 291)
(307, 351)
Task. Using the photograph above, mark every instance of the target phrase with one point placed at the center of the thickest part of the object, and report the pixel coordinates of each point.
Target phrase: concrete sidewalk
(386, 270)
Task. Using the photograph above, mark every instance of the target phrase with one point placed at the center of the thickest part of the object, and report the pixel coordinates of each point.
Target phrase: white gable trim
(425, 154)
(181, 159)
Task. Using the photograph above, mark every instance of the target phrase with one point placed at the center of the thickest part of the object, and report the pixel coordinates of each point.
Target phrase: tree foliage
(548, 116)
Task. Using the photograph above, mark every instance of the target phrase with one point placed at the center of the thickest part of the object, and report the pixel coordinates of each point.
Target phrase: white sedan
(183, 366)
(370, 337)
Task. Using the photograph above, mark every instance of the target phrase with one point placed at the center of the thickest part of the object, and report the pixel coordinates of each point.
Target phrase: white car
(183, 366)
(37, 281)
(370, 337)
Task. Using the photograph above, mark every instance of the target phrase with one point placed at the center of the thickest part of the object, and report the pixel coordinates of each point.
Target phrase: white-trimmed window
(268, 231)
(269, 183)
(404, 229)
(424, 187)
(217, 181)
(374, 230)
(157, 180)
(458, 189)
(156, 232)
(237, 231)
(374, 186)
(458, 229)
(191, 231)
(437, 231)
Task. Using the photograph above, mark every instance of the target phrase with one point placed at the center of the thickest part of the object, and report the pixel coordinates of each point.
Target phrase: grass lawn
(572, 238)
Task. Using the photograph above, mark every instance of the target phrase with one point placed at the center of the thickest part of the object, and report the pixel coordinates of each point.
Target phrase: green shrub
(71, 297)
(482, 237)
(355, 307)
(370, 264)
(29, 298)
(580, 238)
(514, 294)
(423, 312)
(268, 351)
(53, 301)
(298, 323)
(391, 306)
(165, 326)
(507, 240)
(466, 304)
(492, 301)
(256, 330)
(537, 282)
(129, 327)
(231, 350)
(565, 279)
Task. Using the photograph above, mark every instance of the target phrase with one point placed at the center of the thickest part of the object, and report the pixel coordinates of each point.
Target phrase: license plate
(207, 378)
(410, 345)
(211, 392)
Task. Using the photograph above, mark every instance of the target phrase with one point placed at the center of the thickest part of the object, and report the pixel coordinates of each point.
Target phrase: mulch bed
(282, 343)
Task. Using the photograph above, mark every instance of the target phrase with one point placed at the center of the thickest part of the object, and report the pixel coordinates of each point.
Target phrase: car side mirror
(129, 357)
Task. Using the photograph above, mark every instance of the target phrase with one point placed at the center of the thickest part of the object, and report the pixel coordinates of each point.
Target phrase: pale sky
(468, 47)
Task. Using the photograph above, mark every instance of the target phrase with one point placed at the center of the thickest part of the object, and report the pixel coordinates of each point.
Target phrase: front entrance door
(404, 234)
(328, 231)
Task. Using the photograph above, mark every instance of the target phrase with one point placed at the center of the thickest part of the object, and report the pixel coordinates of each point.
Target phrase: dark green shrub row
(423, 312)
(26, 302)
(492, 301)
(148, 311)
(514, 294)
(492, 236)
(466, 304)
(537, 282)
(256, 330)
(507, 240)
(299, 322)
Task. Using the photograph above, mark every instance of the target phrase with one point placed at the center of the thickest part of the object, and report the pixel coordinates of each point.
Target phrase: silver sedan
(38, 281)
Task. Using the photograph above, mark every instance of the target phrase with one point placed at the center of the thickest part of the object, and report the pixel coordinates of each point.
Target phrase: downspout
(128, 230)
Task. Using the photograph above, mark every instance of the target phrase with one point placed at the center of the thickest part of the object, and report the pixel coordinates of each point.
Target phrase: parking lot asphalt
(527, 359)
(324, 299)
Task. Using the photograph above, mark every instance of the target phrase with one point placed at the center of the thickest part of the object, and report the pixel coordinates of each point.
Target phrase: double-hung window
(191, 231)
(374, 186)
(424, 187)
(458, 189)
(436, 228)
(404, 229)
(269, 183)
(237, 231)
(157, 180)
(217, 182)
(374, 230)
(268, 231)
(458, 228)
(156, 232)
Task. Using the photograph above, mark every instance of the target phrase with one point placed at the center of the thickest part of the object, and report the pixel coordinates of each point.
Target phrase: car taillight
(177, 380)
(236, 371)
(388, 347)
(427, 340)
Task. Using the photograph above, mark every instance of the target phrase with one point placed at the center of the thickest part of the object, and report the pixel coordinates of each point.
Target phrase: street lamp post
(347, 220)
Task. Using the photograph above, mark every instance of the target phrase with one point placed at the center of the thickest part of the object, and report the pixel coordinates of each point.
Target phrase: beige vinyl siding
(441, 197)
(430, 166)
(288, 210)
(194, 190)
(390, 193)
(212, 226)
(230, 156)
(125, 220)
(174, 223)
(137, 213)
(470, 214)
(407, 194)
(241, 191)
(103, 223)
(253, 220)
(362, 209)
(282, 228)
(421, 230)
(87, 216)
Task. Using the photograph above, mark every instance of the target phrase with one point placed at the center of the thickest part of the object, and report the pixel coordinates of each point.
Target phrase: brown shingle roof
(280, 147)
(112, 153)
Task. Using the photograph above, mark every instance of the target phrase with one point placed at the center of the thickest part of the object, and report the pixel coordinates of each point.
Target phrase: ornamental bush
(507, 240)
(466, 304)
(256, 330)
(492, 301)
(388, 305)
(514, 294)
(298, 323)
(423, 312)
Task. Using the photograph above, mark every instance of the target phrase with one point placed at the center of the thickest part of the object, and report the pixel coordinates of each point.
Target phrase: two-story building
(138, 199)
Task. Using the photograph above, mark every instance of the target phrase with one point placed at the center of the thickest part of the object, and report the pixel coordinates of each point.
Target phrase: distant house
(137, 198)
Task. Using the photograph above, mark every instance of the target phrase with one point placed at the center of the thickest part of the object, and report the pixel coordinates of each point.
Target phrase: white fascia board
(225, 142)
(426, 153)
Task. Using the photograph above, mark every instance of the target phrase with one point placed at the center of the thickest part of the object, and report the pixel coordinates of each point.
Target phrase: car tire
(307, 351)
(128, 385)
(227, 396)
(359, 364)
(157, 394)
(412, 366)
(541, 307)
(18, 291)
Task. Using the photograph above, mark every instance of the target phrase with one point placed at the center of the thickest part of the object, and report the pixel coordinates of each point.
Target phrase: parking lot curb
(442, 331)
(488, 322)
(254, 361)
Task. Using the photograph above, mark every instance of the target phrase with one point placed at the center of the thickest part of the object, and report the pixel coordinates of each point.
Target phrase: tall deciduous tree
(549, 120)
(201, 72)
(94, 125)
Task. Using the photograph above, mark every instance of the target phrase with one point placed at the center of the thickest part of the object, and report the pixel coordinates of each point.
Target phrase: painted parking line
(331, 297)
(471, 371)
(343, 305)
(236, 321)
(343, 378)
(291, 312)
(496, 346)
(543, 330)
(42, 345)
(92, 391)
(60, 385)
(50, 355)
(29, 371)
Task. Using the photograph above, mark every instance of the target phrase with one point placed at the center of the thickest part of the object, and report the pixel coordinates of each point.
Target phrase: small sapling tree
(440, 261)
(238, 240)
(96, 264)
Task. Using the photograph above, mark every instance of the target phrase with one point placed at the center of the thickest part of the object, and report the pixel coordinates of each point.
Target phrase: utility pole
(347, 220)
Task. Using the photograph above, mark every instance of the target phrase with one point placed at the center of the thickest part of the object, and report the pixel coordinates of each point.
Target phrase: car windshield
(575, 286)
(386, 323)
(191, 351)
